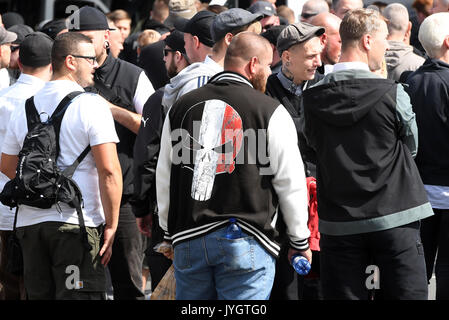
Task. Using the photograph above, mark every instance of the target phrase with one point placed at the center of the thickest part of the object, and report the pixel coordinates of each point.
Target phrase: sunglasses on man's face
(14, 48)
(166, 51)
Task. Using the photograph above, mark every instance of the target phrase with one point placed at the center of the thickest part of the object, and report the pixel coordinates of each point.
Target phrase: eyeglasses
(166, 51)
(92, 60)
(14, 48)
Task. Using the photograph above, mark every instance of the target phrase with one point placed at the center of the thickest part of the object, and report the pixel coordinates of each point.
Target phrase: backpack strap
(58, 114)
(56, 119)
(31, 113)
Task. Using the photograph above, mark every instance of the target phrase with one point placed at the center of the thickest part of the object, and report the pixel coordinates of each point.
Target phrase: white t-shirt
(438, 196)
(4, 78)
(10, 97)
(88, 120)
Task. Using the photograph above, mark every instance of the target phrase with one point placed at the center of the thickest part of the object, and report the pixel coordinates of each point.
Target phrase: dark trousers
(125, 265)
(12, 285)
(397, 253)
(435, 237)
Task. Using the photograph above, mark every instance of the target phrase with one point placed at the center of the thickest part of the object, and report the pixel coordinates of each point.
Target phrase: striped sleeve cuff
(167, 236)
(300, 244)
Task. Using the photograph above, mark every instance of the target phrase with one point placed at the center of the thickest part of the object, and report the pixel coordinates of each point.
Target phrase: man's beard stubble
(259, 82)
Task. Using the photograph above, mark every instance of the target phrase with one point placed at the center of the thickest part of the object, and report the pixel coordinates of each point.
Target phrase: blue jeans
(212, 267)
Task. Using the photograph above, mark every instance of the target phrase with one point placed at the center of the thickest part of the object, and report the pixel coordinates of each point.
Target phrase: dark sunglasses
(166, 51)
(14, 48)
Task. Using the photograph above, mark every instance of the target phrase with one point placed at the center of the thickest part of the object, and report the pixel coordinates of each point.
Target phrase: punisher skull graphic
(216, 146)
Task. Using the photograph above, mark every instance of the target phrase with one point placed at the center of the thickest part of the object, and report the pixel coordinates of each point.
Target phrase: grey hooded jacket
(399, 58)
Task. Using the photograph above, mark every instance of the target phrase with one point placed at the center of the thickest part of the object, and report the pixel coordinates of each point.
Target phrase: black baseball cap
(12, 18)
(176, 41)
(21, 30)
(35, 50)
(87, 19)
(273, 33)
(53, 27)
(199, 25)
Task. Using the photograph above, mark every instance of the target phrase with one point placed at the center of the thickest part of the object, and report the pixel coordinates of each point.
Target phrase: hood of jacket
(396, 53)
(172, 90)
(432, 65)
(343, 103)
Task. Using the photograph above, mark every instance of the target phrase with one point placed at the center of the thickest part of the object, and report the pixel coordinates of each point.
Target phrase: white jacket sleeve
(163, 173)
(289, 179)
(143, 91)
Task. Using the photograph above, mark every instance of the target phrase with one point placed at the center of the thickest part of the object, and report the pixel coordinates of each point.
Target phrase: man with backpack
(35, 66)
(58, 262)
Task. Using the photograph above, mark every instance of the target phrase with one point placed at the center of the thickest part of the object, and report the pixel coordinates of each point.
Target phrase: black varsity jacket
(228, 150)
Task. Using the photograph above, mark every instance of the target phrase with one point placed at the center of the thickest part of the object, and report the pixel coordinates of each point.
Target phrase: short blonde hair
(433, 31)
(147, 37)
(357, 23)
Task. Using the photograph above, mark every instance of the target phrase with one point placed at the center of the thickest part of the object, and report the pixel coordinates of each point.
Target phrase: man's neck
(102, 58)
(43, 75)
(444, 57)
(353, 56)
(218, 53)
(66, 76)
(290, 76)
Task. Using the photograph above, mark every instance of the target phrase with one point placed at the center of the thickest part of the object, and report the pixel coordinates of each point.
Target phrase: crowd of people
(321, 135)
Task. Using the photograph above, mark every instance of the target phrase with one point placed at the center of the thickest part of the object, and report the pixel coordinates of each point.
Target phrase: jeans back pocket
(237, 254)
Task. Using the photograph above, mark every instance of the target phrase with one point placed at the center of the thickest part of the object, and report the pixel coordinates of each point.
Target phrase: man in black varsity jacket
(229, 151)
(370, 195)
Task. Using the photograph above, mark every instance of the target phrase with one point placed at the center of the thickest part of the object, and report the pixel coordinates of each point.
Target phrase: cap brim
(10, 37)
(257, 16)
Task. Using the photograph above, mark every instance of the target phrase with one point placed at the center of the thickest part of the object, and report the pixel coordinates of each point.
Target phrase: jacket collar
(230, 76)
(435, 63)
(106, 67)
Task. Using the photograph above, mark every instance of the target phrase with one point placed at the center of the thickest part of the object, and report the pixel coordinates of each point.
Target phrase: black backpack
(38, 181)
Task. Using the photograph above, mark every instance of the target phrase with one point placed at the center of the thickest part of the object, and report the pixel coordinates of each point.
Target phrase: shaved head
(327, 20)
(331, 39)
(313, 7)
(245, 46)
(250, 55)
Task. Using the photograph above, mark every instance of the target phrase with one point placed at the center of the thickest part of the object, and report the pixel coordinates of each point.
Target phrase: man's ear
(367, 42)
(408, 31)
(196, 41)
(446, 43)
(323, 39)
(70, 63)
(285, 57)
(252, 65)
(228, 38)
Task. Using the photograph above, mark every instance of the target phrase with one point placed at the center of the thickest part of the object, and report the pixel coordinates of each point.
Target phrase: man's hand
(145, 224)
(305, 253)
(106, 250)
